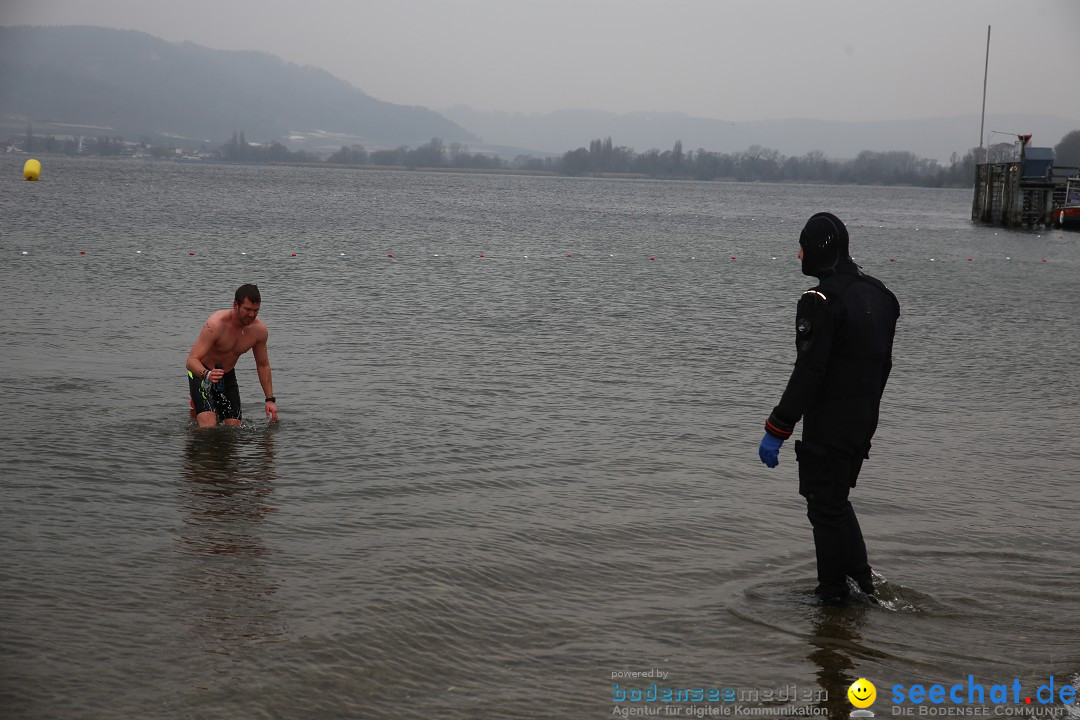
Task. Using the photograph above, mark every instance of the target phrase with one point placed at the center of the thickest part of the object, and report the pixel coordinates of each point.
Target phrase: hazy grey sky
(728, 59)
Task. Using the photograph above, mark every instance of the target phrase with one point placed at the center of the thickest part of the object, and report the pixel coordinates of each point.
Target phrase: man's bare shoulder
(216, 321)
(261, 331)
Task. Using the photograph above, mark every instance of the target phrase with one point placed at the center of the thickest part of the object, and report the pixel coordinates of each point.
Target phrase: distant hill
(932, 138)
(101, 81)
(122, 82)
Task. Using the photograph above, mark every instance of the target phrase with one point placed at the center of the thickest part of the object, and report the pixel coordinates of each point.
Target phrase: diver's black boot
(866, 584)
(832, 594)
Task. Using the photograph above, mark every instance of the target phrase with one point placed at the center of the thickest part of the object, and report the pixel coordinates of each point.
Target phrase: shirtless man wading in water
(226, 336)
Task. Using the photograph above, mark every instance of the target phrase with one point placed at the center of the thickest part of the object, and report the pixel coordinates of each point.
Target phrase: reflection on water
(834, 639)
(226, 494)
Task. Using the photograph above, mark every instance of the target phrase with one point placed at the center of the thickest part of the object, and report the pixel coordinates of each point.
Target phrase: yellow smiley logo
(862, 693)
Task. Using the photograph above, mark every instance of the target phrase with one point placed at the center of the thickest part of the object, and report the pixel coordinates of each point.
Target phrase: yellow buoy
(32, 169)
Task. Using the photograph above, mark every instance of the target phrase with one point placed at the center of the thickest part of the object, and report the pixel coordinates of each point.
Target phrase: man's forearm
(266, 380)
(195, 366)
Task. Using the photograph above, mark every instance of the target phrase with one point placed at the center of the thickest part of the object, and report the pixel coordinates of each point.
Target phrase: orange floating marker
(294, 254)
(1044, 259)
(970, 259)
(892, 259)
(191, 253)
(732, 257)
(389, 254)
(652, 259)
(82, 252)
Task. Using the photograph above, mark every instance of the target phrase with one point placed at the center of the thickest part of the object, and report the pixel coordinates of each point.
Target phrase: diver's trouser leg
(825, 479)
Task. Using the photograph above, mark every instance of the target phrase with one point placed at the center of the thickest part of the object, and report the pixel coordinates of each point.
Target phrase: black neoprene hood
(824, 242)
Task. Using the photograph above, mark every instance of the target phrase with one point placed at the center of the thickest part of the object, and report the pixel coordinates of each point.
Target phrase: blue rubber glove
(769, 451)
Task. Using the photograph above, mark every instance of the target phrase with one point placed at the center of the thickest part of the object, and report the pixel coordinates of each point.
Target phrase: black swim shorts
(221, 398)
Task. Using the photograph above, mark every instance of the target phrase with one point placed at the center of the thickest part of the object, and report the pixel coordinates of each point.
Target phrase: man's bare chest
(235, 341)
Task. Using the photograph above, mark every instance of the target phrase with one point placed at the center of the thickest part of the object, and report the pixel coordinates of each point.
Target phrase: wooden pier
(1023, 193)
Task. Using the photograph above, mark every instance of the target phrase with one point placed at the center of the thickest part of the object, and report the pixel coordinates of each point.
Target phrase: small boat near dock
(1067, 214)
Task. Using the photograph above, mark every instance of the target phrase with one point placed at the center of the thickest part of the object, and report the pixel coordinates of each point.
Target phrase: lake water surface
(517, 455)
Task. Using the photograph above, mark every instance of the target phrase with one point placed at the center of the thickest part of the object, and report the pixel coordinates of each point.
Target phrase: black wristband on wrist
(271, 399)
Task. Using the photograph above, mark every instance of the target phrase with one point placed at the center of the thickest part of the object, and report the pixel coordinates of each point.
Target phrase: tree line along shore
(602, 158)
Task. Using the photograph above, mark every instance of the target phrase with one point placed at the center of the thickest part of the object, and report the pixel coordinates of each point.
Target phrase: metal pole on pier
(986, 73)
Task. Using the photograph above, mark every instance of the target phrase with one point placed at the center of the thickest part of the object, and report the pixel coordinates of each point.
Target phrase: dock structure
(1026, 192)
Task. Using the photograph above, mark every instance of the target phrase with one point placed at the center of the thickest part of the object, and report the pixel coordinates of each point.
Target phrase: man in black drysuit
(844, 337)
